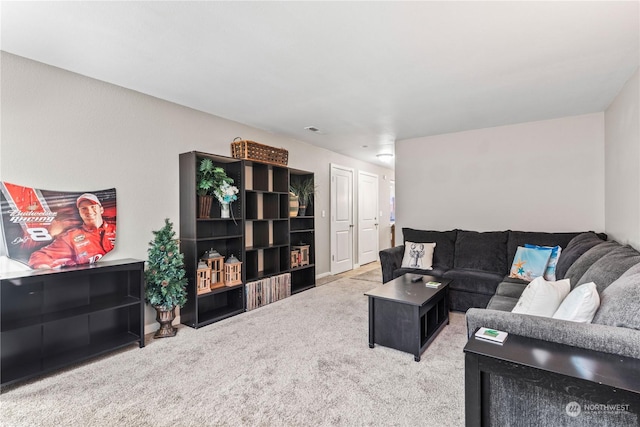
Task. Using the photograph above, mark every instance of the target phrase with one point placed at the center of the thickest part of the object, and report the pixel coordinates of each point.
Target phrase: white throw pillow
(542, 297)
(580, 305)
(418, 255)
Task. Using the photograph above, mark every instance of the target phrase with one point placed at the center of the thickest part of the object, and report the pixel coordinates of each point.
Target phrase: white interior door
(341, 219)
(368, 220)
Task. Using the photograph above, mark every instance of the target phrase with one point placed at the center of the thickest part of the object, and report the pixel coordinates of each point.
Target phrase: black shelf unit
(197, 235)
(261, 235)
(302, 230)
(267, 225)
(54, 318)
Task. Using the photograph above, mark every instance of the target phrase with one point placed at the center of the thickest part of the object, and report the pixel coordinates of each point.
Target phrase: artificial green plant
(165, 274)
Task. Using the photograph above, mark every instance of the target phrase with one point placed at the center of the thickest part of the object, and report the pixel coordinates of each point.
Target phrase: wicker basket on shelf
(251, 150)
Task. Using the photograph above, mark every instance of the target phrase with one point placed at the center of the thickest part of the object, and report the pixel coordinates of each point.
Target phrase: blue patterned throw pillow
(550, 272)
(529, 263)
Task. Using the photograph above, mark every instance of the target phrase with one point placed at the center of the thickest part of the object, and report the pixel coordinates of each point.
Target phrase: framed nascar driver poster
(51, 229)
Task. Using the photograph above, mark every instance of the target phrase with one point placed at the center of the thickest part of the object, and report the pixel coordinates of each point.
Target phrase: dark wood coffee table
(407, 316)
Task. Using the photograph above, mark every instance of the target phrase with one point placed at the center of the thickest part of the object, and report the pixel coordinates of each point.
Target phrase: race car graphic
(50, 229)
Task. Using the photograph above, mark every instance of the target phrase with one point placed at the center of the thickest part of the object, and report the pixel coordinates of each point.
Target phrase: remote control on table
(415, 279)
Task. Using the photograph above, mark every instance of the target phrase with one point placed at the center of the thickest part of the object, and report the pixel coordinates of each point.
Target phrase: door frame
(331, 211)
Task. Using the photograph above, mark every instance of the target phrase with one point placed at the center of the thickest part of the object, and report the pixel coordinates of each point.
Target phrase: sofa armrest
(390, 260)
(607, 339)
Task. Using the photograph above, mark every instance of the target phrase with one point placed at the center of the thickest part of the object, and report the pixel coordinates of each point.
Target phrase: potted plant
(165, 279)
(304, 189)
(212, 180)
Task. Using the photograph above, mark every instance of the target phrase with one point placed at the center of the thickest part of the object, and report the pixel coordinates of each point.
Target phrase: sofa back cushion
(574, 250)
(521, 238)
(619, 302)
(582, 264)
(610, 267)
(485, 251)
(444, 240)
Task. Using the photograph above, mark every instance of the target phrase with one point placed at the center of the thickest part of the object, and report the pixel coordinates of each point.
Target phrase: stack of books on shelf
(268, 290)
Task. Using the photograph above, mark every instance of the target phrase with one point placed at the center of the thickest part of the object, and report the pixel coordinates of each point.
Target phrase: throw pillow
(529, 263)
(550, 272)
(444, 240)
(541, 297)
(418, 255)
(580, 305)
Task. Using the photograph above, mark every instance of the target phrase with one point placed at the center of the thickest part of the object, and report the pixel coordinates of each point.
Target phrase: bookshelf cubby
(302, 231)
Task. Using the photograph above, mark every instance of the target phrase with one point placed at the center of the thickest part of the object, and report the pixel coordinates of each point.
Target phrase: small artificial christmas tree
(165, 278)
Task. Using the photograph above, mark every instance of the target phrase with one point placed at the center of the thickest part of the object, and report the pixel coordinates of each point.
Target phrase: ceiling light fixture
(384, 157)
(312, 129)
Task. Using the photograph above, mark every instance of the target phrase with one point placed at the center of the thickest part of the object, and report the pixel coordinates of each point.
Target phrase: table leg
(473, 392)
(371, 322)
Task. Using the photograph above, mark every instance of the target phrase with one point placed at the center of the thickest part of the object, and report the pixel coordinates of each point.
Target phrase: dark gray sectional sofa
(615, 329)
(476, 262)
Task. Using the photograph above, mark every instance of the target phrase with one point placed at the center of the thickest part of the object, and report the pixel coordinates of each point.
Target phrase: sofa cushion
(463, 301)
(480, 282)
(514, 280)
(521, 238)
(542, 297)
(574, 250)
(582, 264)
(502, 303)
(418, 255)
(580, 305)
(444, 240)
(610, 267)
(485, 251)
(619, 303)
(511, 289)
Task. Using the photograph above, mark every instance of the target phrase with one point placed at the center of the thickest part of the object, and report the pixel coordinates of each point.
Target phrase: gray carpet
(301, 361)
(372, 276)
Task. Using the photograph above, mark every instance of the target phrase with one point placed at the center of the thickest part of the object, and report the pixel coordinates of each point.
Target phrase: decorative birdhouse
(232, 271)
(303, 259)
(295, 255)
(204, 278)
(215, 261)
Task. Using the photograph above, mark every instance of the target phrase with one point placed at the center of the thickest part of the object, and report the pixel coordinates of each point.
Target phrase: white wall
(622, 165)
(537, 176)
(63, 131)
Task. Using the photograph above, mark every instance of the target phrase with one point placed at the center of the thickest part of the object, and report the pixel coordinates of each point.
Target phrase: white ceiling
(364, 73)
